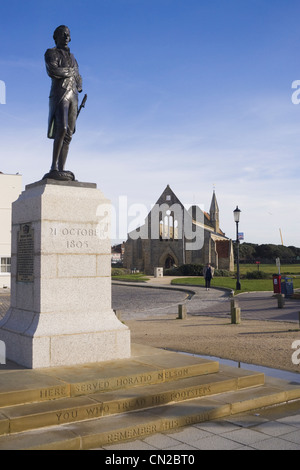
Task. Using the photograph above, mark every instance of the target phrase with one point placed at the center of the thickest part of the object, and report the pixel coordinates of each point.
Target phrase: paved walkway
(137, 301)
(276, 428)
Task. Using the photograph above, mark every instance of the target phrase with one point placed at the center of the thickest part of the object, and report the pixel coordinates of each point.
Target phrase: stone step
(111, 430)
(100, 404)
(146, 366)
(24, 417)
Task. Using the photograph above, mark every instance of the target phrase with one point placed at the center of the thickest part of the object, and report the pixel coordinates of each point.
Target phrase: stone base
(60, 311)
(34, 347)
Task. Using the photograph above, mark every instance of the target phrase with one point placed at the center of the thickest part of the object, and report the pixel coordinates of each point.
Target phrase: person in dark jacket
(63, 69)
(208, 275)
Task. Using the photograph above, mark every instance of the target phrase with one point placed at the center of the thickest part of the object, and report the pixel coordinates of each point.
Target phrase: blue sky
(191, 93)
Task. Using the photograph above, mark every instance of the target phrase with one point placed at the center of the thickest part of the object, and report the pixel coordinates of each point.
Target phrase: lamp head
(236, 214)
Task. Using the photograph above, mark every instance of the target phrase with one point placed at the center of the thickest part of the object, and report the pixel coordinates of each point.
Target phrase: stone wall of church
(145, 255)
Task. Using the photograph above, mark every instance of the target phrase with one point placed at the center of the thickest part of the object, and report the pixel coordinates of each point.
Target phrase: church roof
(199, 217)
(169, 197)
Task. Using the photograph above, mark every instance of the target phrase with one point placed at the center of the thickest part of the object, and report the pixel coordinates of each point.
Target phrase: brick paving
(276, 428)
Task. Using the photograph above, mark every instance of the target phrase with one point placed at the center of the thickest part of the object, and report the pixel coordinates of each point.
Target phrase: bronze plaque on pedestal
(25, 253)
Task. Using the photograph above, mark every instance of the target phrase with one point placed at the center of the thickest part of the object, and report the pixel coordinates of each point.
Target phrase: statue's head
(62, 36)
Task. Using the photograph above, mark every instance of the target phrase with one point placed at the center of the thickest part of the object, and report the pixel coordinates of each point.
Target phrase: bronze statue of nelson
(63, 69)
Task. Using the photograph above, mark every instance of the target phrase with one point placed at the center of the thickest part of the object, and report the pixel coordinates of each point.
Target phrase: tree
(247, 251)
(251, 252)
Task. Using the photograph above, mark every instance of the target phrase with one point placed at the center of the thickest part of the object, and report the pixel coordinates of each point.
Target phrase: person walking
(208, 275)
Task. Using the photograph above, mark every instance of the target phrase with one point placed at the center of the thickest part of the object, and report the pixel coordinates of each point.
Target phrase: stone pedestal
(60, 311)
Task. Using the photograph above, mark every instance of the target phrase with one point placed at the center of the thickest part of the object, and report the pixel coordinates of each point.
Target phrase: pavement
(137, 300)
(275, 428)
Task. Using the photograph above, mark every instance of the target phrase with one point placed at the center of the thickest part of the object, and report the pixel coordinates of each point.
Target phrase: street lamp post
(236, 215)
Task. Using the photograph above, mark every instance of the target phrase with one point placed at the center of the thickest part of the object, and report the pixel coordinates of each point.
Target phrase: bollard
(182, 312)
(2, 353)
(235, 312)
(234, 304)
(236, 316)
(280, 300)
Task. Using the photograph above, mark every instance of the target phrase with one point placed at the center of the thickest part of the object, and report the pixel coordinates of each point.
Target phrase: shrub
(174, 271)
(191, 270)
(185, 270)
(257, 275)
(222, 273)
(119, 271)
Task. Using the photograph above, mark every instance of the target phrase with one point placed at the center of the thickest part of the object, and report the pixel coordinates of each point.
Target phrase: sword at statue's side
(82, 105)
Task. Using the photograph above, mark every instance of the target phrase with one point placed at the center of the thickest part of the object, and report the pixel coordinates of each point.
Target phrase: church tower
(214, 213)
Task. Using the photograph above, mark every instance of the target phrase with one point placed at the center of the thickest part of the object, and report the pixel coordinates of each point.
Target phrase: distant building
(117, 254)
(10, 189)
(173, 236)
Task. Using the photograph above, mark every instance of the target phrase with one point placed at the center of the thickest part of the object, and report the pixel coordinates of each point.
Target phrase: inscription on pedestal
(74, 237)
(25, 253)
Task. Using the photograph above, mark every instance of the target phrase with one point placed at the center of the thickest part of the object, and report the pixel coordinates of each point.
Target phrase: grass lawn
(285, 269)
(247, 285)
(139, 277)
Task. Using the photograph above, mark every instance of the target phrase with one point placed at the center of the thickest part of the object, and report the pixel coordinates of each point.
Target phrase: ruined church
(173, 235)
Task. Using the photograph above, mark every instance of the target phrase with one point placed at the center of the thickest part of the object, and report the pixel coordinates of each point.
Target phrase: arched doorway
(169, 263)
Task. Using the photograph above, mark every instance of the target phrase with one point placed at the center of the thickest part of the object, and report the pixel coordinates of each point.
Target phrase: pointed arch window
(168, 226)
